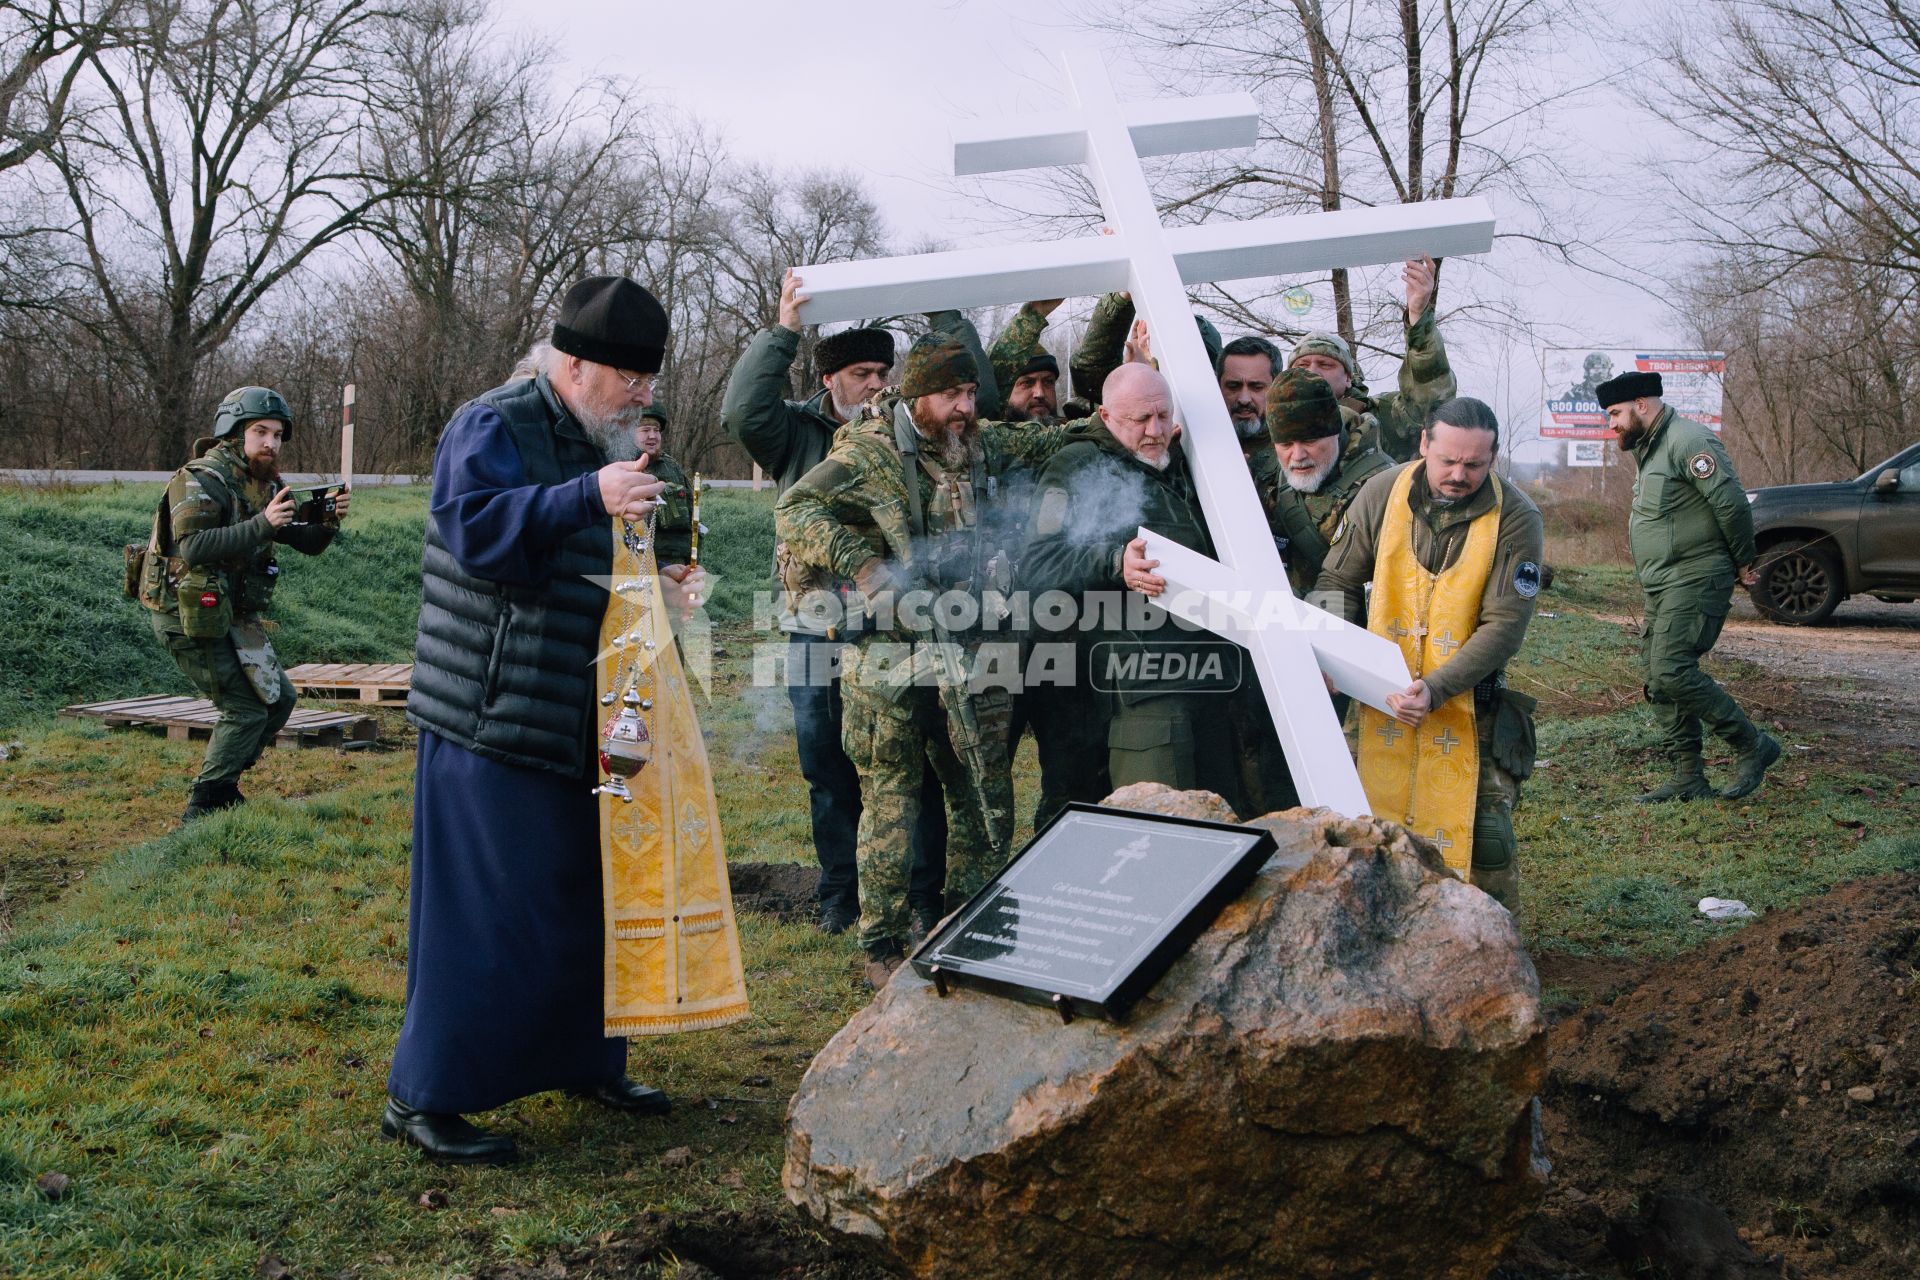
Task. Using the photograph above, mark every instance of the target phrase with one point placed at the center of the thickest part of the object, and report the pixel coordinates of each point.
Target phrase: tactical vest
(207, 597)
(505, 671)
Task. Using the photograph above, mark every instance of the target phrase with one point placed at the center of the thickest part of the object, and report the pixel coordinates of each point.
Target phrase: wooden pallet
(187, 718)
(368, 681)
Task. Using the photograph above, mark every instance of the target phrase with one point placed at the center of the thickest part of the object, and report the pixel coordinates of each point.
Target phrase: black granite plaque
(1091, 912)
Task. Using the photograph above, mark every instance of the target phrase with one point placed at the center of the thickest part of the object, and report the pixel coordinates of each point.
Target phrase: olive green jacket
(1308, 520)
(1506, 606)
(1092, 497)
(1690, 521)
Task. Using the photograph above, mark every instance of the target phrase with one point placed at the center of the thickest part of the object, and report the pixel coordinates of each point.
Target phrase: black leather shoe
(446, 1137)
(837, 919)
(624, 1095)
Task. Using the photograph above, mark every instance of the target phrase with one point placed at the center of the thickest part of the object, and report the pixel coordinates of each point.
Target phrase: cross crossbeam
(1243, 595)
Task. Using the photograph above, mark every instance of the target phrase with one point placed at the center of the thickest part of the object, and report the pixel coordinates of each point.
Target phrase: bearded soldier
(209, 576)
(1454, 558)
(1321, 465)
(909, 500)
(1692, 535)
(788, 438)
(1027, 373)
(1392, 421)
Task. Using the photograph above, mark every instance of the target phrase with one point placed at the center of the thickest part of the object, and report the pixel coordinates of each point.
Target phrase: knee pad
(1493, 843)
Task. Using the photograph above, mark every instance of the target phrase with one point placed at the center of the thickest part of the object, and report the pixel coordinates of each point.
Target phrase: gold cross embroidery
(1390, 731)
(1445, 642)
(1446, 740)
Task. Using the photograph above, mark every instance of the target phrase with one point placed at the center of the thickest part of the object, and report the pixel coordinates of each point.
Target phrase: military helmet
(248, 404)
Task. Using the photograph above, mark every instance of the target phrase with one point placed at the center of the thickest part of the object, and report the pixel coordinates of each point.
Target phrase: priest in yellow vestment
(1453, 554)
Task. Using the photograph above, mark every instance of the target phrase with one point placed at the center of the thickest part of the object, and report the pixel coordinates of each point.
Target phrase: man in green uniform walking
(1692, 535)
(209, 576)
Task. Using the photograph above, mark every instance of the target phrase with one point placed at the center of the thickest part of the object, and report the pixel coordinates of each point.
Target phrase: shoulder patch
(1526, 579)
(1701, 466)
(1339, 533)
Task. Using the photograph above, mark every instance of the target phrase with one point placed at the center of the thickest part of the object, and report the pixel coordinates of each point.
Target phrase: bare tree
(44, 49)
(220, 158)
(1363, 103)
(1809, 147)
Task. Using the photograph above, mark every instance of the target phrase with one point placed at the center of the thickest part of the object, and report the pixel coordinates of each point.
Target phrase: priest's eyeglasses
(636, 382)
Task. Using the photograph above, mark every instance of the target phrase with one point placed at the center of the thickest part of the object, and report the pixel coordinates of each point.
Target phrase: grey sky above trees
(394, 195)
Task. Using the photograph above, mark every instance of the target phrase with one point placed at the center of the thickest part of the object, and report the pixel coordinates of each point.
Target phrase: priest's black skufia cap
(1628, 386)
(611, 320)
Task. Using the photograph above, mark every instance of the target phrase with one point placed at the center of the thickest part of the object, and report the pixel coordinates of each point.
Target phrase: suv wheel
(1801, 584)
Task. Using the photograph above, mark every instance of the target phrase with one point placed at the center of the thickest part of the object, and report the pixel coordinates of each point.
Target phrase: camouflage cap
(1301, 407)
(657, 413)
(1322, 343)
(937, 362)
(1038, 361)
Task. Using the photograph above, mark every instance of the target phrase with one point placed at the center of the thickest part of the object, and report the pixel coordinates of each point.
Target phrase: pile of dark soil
(783, 890)
(718, 1246)
(1750, 1108)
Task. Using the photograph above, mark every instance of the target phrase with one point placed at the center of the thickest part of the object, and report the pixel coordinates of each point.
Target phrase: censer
(627, 746)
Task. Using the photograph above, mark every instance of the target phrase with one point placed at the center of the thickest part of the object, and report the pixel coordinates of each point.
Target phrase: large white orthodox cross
(1244, 593)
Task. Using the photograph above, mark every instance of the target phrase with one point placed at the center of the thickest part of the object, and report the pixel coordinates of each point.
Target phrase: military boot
(882, 959)
(205, 798)
(1751, 765)
(1689, 782)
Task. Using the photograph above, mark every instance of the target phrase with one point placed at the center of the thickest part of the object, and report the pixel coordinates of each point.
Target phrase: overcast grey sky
(873, 84)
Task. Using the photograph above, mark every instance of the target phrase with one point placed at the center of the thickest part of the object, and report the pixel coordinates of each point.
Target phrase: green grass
(72, 636)
(196, 1026)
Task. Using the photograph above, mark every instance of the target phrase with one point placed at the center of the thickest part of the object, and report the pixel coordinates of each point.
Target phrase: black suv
(1820, 543)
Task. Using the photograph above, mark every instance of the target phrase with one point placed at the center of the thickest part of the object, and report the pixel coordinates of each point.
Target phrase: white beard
(1160, 463)
(613, 435)
(1308, 483)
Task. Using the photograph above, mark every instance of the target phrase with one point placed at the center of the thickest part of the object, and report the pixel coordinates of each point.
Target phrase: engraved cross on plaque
(1126, 853)
(1290, 641)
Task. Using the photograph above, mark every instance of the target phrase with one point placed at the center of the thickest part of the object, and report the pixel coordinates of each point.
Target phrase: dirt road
(1859, 674)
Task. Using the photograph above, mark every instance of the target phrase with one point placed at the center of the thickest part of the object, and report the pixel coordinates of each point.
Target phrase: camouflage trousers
(892, 737)
(1496, 854)
(247, 725)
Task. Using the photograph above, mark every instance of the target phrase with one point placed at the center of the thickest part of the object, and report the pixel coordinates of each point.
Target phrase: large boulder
(1337, 1079)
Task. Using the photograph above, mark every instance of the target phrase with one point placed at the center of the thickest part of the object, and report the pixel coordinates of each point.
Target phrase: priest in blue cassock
(506, 945)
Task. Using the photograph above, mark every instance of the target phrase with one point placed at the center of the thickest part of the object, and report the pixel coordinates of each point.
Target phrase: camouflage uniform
(1393, 422)
(1307, 521)
(212, 542)
(1103, 347)
(1691, 529)
(673, 523)
(949, 535)
(1503, 717)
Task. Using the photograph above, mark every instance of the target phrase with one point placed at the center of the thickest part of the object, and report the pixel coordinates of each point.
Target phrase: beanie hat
(1301, 407)
(1628, 386)
(853, 346)
(1327, 344)
(937, 362)
(611, 320)
(1038, 362)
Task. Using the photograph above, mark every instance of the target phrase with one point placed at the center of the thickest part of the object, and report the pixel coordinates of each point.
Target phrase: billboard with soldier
(1570, 375)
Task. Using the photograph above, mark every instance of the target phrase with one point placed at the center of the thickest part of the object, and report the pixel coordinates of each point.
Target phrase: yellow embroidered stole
(672, 948)
(1426, 778)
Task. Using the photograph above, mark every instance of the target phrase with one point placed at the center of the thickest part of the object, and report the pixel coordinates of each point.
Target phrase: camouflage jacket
(1104, 345)
(1308, 520)
(673, 525)
(1426, 379)
(855, 507)
(216, 520)
(1017, 343)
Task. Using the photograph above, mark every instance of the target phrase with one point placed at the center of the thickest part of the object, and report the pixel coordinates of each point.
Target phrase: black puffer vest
(507, 671)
